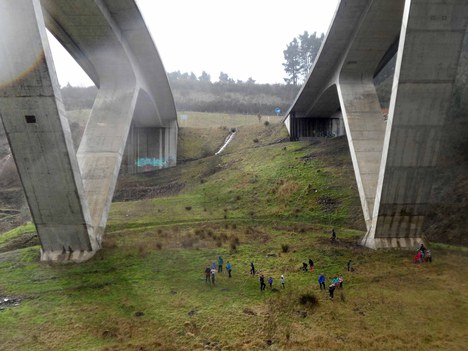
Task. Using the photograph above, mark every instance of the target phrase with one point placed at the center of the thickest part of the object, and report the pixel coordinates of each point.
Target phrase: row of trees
(300, 55)
(205, 77)
(192, 93)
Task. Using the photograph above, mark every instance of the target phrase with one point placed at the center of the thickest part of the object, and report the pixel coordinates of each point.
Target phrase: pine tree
(300, 55)
(292, 66)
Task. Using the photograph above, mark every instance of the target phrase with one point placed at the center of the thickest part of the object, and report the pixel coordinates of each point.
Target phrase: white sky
(243, 38)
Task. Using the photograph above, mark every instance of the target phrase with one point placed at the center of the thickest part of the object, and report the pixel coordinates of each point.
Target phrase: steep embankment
(260, 176)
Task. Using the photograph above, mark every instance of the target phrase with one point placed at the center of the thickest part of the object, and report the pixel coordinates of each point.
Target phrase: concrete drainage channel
(227, 140)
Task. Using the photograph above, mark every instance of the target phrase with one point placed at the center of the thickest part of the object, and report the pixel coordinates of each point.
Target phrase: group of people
(270, 281)
(210, 272)
(336, 281)
(423, 255)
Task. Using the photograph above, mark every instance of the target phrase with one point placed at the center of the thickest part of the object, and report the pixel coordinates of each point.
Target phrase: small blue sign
(277, 111)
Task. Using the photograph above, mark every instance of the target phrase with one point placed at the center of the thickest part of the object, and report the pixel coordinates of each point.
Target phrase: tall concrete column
(431, 42)
(362, 113)
(33, 116)
(70, 194)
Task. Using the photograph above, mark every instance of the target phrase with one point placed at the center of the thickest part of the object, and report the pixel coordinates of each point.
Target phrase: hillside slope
(263, 200)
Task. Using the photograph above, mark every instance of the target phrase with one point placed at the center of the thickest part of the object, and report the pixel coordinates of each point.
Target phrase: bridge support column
(39, 135)
(432, 37)
(149, 149)
(70, 194)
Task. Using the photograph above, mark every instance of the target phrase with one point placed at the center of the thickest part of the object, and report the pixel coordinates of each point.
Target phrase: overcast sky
(243, 38)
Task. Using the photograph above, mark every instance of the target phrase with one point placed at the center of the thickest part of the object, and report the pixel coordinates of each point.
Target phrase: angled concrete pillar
(362, 113)
(70, 194)
(431, 43)
(39, 135)
(396, 161)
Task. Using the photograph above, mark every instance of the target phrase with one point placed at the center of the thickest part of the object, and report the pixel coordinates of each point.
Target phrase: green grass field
(263, 201)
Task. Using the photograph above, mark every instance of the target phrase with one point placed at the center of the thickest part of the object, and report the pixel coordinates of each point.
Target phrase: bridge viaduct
(399, 160)
(69, 192)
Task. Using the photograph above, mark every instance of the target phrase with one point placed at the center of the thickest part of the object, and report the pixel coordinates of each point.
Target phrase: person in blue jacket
(321, 280)
(229, 268)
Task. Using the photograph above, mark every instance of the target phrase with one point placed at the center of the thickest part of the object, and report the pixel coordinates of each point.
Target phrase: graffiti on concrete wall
(151, 162)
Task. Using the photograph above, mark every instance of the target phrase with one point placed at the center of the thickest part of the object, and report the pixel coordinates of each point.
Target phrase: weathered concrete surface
(395, 161)
(39, 135)
(422, 99)
(70, 194)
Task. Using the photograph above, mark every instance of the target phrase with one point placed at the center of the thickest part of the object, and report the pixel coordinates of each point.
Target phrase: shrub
(255, 140)
(284, 248)
(308, 299)
(266, 123)
(188, 208)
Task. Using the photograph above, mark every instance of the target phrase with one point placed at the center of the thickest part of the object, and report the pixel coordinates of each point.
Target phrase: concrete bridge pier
(403, 163)
(70, 193)
(32, 113)
(306, 128)
(149, 149)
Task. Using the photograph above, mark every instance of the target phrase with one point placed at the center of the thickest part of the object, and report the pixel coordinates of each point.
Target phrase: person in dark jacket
(311, 265)
(262, 282)
(229, 268)
(331, 290)
(252, 268)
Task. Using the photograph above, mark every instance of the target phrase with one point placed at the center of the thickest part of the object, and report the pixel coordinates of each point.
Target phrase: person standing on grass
(333, 235)
(262, 282)
(311, 265)
(282, 280)
(331, 290)
(428, 256)
(252, 268)
(349, 265)
(213, 276)
(220, 264)
(270, 281)
(207, 274)
(229, 268)
(304, 266)
(321, 280)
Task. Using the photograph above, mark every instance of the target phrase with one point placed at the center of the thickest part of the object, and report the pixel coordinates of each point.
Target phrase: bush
(255, 140)
(308, 299)
(266, 123)
(284, 248)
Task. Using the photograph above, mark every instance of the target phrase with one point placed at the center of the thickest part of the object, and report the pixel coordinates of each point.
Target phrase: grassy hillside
(264, 200)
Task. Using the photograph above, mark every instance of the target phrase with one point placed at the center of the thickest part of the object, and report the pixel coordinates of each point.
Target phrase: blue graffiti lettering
(153, 162)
